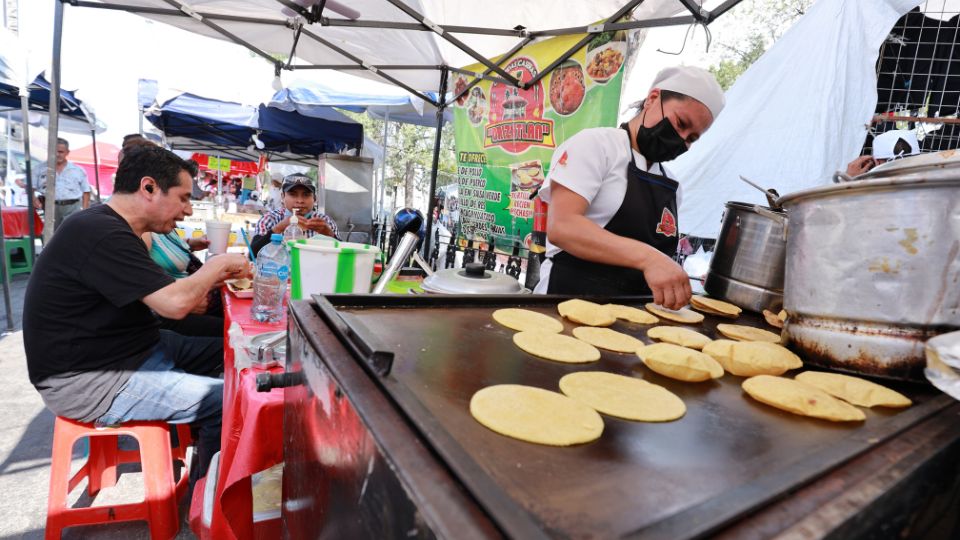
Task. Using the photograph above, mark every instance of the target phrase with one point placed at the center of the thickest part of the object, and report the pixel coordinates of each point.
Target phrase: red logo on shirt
(563, 160)
(668, 223)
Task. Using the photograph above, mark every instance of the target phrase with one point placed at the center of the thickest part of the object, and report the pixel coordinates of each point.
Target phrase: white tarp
(798, 115)
(380, 46)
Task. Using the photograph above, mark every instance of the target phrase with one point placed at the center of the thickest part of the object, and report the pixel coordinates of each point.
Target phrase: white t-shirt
(592, 164)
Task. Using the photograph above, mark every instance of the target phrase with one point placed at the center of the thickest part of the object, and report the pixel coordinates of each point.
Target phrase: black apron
(648, 214)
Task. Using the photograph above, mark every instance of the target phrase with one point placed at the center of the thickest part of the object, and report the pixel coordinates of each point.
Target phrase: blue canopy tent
(74, 115)
(313, 99)
(242, 132)
(33, 108)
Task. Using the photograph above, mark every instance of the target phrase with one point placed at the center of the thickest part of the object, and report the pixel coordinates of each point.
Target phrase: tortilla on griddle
(854, 390)
(556, 347)
(679, 336)
(713, 306)
(679, 362)
(799, 398)
(524, 319)
(608, 339)
(624, 397)
(631, 314)
(682, 315)
(584, 312)
(747, 333)
(535, 415)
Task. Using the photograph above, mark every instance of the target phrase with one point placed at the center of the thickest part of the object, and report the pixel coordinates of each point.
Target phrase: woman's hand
(668, 281)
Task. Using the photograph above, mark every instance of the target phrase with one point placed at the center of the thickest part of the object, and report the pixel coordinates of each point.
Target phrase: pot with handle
(747, 267)
(873, 266)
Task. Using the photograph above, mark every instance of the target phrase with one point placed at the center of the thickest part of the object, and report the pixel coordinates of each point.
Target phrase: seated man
(94, 349)
(298, 193)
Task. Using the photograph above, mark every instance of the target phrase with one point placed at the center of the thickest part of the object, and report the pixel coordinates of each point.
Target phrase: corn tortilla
(557, 347)
(524, 319)
(535, 415)
(624, 397)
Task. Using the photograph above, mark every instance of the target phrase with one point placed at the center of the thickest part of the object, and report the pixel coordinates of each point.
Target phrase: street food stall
(380, 436)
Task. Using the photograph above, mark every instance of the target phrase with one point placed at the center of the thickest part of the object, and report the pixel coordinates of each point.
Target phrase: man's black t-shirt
(85, 329)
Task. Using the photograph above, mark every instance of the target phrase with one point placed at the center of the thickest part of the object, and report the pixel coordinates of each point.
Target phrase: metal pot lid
(931, 170)
(946, 159)
(471, 279)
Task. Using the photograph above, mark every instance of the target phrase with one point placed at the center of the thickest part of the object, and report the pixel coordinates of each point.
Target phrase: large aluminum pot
(747, 266)
(873, 268)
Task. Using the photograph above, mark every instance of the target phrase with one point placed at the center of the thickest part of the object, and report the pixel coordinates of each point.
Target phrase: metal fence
(918, 77)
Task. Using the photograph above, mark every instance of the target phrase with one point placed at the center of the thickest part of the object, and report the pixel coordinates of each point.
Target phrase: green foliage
(410, 143)
(747, 31)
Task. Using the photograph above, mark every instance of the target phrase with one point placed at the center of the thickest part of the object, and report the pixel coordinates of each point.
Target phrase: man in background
(72, 189)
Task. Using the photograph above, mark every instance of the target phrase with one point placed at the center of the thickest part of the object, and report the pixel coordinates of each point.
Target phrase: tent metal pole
(383, 165)
(456, 42)
(431, 202)
(580, 44)
(229, 35)
(25, 107)
(503, 59)
(508, 32)
(50, 207)
(96, 160)
(626, 25)
(358, 61)
(5, 275)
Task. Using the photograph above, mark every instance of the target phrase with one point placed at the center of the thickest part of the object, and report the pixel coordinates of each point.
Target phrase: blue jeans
(178, 383)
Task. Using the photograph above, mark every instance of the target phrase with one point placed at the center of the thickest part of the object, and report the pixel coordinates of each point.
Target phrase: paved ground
(26, 435)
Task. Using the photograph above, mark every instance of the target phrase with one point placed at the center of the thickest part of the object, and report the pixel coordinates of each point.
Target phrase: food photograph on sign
(506, 134)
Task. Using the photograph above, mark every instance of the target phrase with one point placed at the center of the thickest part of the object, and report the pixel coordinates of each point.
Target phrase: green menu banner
(505, 136)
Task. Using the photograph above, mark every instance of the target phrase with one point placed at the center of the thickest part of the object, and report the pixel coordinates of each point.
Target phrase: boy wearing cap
(298, 193)
(612, 227)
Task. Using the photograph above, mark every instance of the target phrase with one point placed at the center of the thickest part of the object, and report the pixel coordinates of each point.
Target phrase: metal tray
(726, 458)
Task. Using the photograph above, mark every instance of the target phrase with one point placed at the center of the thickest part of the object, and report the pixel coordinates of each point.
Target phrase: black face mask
(661, 142)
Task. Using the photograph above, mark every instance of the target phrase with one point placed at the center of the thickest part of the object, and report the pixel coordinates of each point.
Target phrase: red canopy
(107, 159)
(236, 167)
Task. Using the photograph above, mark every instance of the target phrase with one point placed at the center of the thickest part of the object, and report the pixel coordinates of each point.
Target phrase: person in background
(273, 200)
(72, 189)
(94, 350)
(893, 144)
(298, 193)
(248, 184)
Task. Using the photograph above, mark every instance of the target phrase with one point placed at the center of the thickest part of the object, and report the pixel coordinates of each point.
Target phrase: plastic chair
(22, 263)
(161, 492)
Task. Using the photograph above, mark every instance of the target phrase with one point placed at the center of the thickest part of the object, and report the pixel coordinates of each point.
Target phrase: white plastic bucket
(330, 266)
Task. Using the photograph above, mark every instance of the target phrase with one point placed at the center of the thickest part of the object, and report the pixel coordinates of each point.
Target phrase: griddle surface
(726, 457)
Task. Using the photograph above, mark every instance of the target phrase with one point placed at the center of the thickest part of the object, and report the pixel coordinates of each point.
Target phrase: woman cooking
(612, 226)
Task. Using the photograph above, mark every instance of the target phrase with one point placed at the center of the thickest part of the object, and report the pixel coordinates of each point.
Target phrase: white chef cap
(694, 82)
(884, 144)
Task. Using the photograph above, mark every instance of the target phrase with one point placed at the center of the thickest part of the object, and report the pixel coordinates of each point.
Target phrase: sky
(106, 52)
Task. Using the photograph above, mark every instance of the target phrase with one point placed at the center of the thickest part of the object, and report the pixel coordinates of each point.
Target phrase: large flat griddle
(727, 457)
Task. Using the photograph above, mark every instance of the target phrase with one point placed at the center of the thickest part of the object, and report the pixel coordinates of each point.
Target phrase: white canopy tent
(413, 44)
(798, 115)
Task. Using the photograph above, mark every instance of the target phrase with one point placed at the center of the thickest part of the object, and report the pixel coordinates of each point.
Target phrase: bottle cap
(276, 238)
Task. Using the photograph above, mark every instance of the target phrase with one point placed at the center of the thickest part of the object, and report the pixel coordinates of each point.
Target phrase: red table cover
(251, 441)
(15, 224)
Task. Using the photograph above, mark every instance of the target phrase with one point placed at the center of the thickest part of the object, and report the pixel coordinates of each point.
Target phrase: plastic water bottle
(270, 281)
(293, 231)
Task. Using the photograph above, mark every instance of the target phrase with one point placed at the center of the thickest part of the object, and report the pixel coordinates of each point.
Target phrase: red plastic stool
(161, 493)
